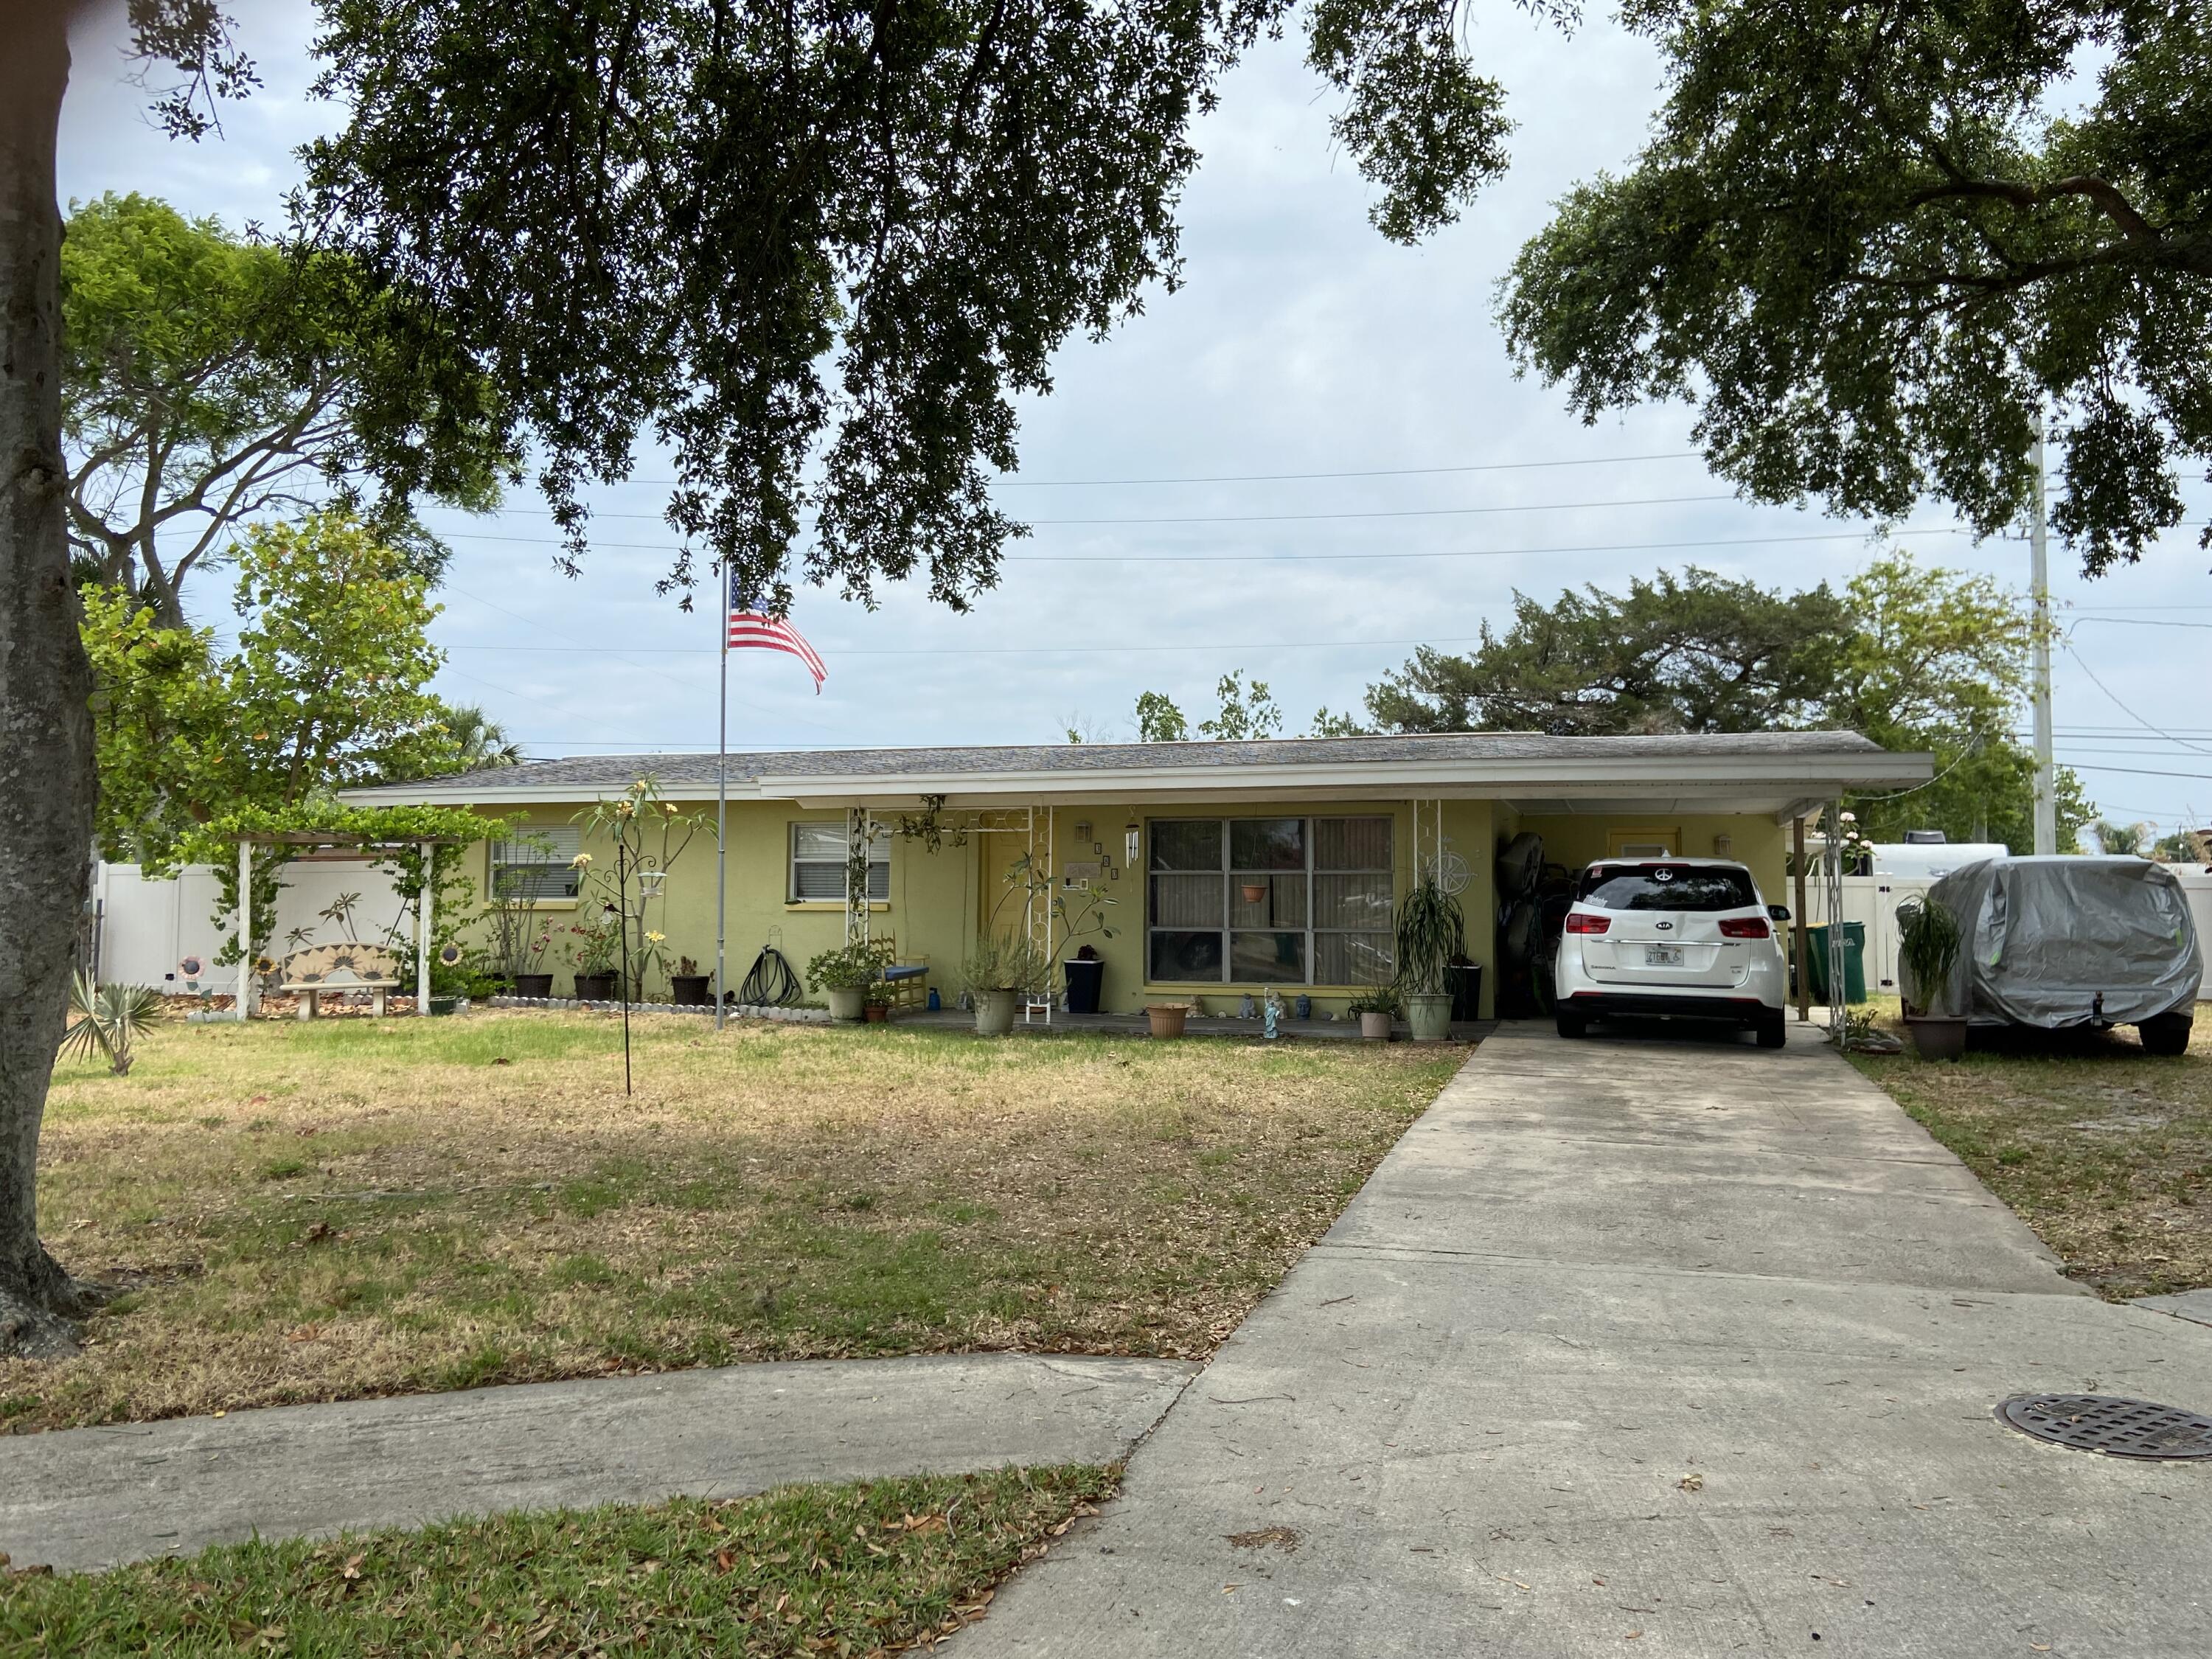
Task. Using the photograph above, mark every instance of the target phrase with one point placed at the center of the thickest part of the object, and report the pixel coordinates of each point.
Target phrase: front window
(1270, 900)
(818, 863)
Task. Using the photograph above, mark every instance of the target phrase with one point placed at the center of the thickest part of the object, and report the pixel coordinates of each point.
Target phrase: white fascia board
(1775, 774)
(1785, 777)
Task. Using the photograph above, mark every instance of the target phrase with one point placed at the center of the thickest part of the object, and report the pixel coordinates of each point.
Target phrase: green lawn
(2104, 1151)
(862, 1569)
(356, 1207)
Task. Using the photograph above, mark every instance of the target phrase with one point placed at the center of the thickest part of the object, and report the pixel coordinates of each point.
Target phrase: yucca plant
(1927, 945)
(1431, 936)
(110, 1020)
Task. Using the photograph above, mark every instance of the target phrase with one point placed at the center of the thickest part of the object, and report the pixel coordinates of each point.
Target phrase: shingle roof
(591, 773)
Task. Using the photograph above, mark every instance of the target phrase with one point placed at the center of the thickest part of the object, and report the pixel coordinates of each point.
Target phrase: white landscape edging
(736, 1011)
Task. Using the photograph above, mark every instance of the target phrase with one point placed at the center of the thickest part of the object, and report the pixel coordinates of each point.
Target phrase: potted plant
(593, 949)
(1167, 1018)
(1086, 977)
(1375, 1009)
(999, 969)
(687, 986)
(520, 938)
(876, 1004)
(1432, 931)
(844, 975)
(1927, 944)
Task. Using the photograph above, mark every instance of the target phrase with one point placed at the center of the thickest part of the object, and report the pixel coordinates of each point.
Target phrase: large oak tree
(1872, 240)
(814, 248)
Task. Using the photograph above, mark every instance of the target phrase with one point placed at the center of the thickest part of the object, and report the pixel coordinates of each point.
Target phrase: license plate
(1662, 956)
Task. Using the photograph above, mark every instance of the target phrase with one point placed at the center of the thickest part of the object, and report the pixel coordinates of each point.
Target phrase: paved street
(1642, 1346)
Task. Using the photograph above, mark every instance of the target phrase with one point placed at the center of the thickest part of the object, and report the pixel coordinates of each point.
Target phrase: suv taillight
(1745, 927)
(1581, 921)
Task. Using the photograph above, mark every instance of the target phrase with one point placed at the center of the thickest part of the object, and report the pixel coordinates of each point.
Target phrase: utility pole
(2046, 800)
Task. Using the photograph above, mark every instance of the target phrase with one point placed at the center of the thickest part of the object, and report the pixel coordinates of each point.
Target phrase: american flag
(757, 631)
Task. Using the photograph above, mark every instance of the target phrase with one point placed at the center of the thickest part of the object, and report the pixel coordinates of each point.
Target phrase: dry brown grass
(354, 1208)
(2104, 1151)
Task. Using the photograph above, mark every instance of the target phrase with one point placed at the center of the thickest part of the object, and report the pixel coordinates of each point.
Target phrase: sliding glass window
(1270, 900)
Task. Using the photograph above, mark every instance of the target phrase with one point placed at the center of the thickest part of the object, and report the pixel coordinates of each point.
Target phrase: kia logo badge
(1662, 925)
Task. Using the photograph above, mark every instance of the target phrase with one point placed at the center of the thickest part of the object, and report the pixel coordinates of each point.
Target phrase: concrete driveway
(1650, 1346)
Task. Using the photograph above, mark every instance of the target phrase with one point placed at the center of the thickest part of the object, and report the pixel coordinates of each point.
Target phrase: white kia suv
(1677, 939)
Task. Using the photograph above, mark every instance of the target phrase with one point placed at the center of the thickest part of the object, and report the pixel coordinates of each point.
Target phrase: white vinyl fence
(1873, 900)
(144, 928)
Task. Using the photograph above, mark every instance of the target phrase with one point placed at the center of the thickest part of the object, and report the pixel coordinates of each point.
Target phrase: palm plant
(110, 1020)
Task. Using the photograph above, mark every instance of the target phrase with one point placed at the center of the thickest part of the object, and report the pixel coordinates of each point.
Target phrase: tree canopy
(327, 688)
(208, 381)
(1695, 653)
(1873, 240)
(1912, 657)
(816, 251)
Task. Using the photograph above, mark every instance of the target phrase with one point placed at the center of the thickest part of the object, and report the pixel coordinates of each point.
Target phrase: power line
(1280, 477)
(1275, 558)
(1257, 518)
(1014, 650)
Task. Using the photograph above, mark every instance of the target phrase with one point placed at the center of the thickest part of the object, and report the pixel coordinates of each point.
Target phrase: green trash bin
(1816, 961)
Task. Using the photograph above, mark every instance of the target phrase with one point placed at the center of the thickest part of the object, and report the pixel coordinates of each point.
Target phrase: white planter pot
(846, 1003)
(994, 1012)
(1429, 1017)
(1374, 1025)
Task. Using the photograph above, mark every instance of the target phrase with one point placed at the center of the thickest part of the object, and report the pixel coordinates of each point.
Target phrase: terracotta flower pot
(1166, 1018)
(877, 1013)
(1254, 891)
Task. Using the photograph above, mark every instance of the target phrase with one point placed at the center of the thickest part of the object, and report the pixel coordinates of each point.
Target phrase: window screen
(818, 863)
(1289, 901)
(537, 866)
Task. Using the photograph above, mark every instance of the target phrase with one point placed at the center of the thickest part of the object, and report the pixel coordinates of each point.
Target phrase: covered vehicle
(2065, 941)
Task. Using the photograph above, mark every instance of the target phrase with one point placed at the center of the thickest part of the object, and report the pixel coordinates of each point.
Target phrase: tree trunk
(46, 779)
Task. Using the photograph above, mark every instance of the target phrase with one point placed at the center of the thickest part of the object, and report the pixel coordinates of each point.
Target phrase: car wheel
(2168, 1034)
(1570, 1025)
(1773, 1031)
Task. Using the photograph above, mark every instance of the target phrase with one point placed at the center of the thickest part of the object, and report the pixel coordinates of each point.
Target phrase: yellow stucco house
(1221, 867)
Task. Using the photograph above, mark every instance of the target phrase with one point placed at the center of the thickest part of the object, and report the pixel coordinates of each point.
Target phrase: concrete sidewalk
(1644, 1346)
(90, 1497)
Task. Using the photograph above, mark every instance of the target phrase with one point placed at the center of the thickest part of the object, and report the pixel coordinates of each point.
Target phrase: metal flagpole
(722, 812)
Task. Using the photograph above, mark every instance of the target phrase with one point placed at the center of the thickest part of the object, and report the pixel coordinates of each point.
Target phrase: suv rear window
(1665, 887)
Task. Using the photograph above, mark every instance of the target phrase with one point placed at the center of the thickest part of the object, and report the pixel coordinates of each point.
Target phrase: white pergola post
(422, 904)
(244, 924)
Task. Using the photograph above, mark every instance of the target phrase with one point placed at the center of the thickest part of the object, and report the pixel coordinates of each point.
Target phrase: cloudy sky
(1184, 526)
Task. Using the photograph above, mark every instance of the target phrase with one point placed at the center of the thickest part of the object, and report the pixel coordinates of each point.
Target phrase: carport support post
(1797, 918)
(423, 903)
(245, 922)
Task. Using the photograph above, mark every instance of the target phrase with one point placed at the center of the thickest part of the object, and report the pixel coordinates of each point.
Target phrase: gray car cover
(2062, 941)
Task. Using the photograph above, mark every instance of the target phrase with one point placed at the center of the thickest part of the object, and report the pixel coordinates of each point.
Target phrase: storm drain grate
(2109, 1423)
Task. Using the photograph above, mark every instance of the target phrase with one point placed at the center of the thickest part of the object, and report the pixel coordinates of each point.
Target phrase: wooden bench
(308, 974)
(907, 982)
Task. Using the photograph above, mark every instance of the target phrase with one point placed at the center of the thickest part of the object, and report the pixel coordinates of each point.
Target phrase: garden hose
(770, 984)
